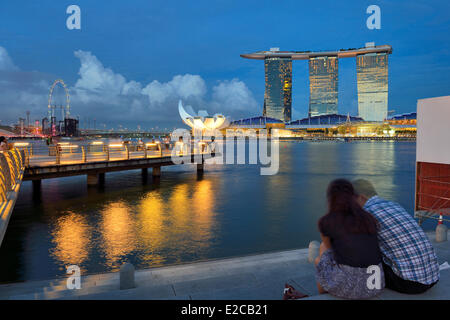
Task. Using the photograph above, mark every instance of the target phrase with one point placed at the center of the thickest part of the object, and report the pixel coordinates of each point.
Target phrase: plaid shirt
(405, 247)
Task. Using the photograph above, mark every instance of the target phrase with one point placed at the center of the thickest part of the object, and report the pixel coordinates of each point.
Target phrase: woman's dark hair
(2, 138)
(344, 213)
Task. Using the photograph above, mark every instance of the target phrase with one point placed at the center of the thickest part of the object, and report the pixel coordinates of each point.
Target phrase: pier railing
(12, 167)
(75, 153)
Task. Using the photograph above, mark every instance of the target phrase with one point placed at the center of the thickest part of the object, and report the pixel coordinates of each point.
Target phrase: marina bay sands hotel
(372, 81)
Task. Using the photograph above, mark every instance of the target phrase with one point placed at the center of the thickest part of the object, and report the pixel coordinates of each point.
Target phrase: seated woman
(349, 247)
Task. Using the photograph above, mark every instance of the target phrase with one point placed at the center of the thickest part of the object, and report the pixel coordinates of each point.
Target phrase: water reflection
(375, 162)
(150, 227)
(178, 203)
(149, 232)
(203, 203)
(278, 192)
(322, 157)
(231, 211)
(117, 227)
(72, 238)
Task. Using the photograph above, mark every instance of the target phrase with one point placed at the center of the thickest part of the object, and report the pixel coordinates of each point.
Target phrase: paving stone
(143, 293)
(230, 282)
(252, 277)
(266, 292)
(28, 296)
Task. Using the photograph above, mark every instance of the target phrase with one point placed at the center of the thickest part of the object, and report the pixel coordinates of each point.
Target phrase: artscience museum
(201, 120)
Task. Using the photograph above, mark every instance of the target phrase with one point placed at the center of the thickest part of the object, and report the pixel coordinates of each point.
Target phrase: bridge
(93, 159)
(92, 133)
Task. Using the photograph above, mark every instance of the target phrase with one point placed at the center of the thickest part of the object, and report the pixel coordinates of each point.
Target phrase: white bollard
(313, 250)
(441, 233)
(127, 276)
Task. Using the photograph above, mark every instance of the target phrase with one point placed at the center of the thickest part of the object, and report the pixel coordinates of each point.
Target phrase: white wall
(433, 130)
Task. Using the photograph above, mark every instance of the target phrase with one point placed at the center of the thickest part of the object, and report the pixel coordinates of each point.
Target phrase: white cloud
(6, 63)
(101, 93)
(21, 91)
(100, 84)
(181, 86)
(131, 88)
(95, 77)
(234, 96)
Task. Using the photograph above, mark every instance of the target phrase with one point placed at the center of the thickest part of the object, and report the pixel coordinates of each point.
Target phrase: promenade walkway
(259, 276)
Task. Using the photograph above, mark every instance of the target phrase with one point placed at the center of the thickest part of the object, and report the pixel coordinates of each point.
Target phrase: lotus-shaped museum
(201, 120)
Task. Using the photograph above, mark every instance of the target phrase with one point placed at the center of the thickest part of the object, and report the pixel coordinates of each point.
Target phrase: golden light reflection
(203, 204)
(72, 239)
(157, 229)
(118, 232)
(181, 224)
(150, 225)
(179, 204)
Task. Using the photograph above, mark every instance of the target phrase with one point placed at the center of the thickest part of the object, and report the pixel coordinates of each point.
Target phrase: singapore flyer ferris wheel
(66, 112)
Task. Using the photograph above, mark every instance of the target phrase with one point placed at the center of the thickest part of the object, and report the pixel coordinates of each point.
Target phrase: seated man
(409, 262)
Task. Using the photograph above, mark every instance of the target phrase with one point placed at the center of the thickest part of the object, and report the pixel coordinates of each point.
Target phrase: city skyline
(138, 79)
(372, 80)
(211, 153)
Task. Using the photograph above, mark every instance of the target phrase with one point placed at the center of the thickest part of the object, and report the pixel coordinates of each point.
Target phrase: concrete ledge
(440, 291)
(260, 276)
(252, 277)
